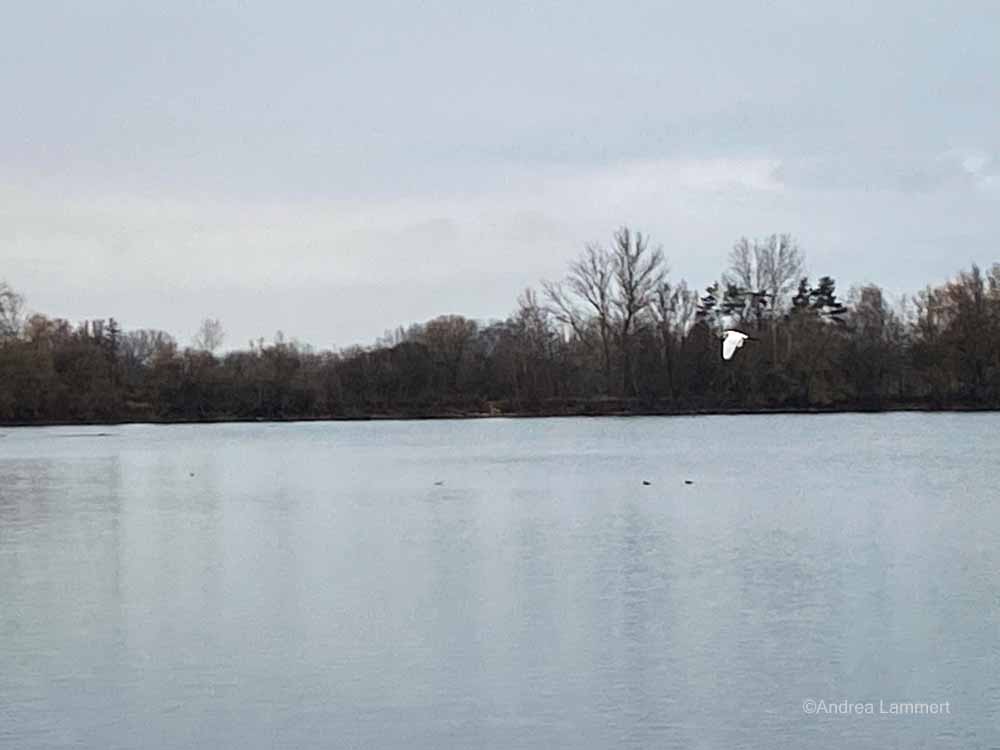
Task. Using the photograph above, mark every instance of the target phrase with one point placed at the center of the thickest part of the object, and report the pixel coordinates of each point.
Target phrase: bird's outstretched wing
(731, 343)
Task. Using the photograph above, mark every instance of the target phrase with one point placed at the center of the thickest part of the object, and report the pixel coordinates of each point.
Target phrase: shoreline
(539, 414)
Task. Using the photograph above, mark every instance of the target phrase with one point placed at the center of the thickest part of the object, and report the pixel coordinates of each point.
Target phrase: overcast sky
(334, 169)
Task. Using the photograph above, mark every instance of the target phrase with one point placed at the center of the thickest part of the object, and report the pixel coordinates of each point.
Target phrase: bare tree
(142, 346)
(11, 312)
(589, 282)
(742, 268)
(639, 271)
(762, 275)
(766, 271)
(450, 340)
(879, 338)
(533, 323)
(532, 343)
(674, 309)
(781, 266)
(210, 335)
(563, 308)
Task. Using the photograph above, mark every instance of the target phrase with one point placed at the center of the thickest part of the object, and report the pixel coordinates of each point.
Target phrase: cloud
(960, 169)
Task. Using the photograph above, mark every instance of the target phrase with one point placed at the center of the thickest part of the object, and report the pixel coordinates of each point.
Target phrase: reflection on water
(500, 583)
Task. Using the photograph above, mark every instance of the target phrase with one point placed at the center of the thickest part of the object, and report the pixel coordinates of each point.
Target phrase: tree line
(614, 335)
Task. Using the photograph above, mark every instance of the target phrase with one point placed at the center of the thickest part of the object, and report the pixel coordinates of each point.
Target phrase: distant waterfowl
(688, 481)
(438, 484)
(733, 340)
(646, 482)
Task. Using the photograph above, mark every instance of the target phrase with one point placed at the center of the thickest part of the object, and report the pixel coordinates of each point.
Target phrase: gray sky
(335, 169)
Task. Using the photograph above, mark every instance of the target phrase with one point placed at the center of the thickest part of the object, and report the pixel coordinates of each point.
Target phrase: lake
(503, 583)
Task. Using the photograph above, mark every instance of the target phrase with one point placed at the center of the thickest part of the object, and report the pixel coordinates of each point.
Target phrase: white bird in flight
(733, 340)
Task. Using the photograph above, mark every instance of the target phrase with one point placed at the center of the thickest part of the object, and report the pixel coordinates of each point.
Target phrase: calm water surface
(313, 585)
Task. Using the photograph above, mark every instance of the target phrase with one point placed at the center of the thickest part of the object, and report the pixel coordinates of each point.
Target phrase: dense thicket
(615, 335)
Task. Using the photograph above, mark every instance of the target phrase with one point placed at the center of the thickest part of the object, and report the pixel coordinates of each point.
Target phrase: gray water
(312, 585)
